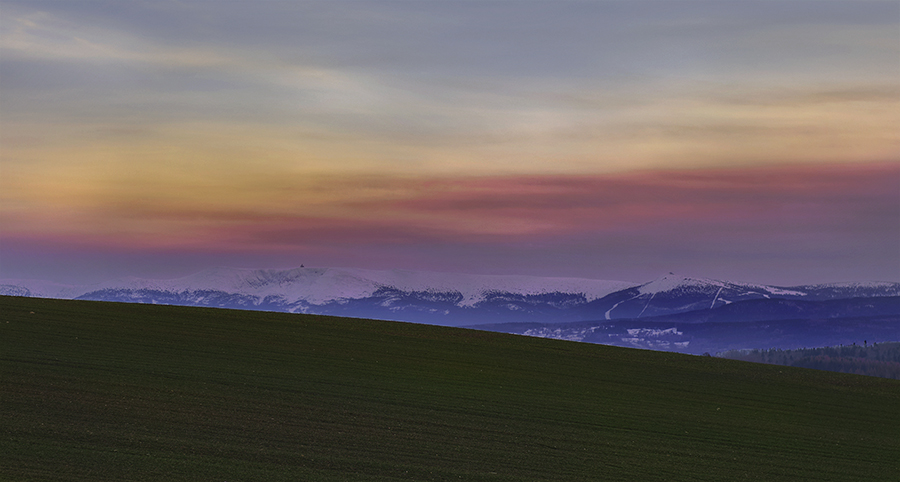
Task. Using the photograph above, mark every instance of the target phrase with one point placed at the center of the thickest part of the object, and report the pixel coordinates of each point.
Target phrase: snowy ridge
(313, 285)
(441, 298)
(672, 294)
(42, 289)
(672, 282)
(883, 288)
(321, 285)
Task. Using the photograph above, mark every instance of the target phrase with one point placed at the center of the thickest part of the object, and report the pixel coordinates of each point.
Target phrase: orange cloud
(382, 210)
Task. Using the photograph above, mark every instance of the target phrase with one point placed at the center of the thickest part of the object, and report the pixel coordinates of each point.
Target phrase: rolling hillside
(110, 391)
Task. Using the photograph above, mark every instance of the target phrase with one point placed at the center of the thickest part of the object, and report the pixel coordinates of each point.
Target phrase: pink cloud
(560, 206)
(813, 221)
(494, 209)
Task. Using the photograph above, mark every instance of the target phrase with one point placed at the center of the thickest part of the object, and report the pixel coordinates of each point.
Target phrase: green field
(106, 391)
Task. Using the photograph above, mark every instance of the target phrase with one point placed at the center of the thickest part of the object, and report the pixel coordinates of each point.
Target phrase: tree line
(875, 359)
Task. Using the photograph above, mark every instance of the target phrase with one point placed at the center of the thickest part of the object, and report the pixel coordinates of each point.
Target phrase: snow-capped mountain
(438, 298)
(444, 298)
(660, 333)
(320, 285)
(673, 294)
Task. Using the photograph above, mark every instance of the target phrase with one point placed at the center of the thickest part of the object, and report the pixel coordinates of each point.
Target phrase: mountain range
(675, 313)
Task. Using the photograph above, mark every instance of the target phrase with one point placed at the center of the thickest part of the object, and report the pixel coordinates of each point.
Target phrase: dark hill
(109, 391)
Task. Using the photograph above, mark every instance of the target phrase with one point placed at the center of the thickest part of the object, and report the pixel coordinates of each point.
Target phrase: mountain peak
(671, 281)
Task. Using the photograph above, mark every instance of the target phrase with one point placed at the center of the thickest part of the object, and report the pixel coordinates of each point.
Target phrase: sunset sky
(752, 141)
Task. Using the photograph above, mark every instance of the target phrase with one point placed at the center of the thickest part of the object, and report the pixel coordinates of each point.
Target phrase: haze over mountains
(670, 313)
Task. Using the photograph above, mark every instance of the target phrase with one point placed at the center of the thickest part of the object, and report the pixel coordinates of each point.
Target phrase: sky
(753, 141)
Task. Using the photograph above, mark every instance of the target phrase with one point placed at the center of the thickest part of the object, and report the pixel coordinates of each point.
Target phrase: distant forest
(876, 359)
